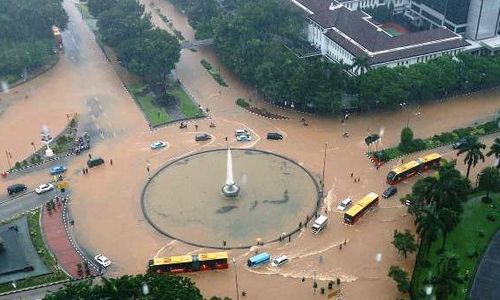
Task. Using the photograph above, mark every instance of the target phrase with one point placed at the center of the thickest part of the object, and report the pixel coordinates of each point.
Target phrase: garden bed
(259, 111)
(213, 72)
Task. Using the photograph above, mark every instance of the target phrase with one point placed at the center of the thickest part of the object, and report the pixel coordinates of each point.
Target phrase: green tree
(98, 6)
(401, 277)
(406, 136)
(360, 64)
(404, 242)
(495, 151)
(428, 226)
(489, 180)
(448, 220)
(447, 279)
(472, 147)
(131, 287)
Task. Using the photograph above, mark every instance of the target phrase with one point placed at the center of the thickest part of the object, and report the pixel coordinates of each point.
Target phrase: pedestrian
(352, 174)
(196, 127)
(243, 293)
(83, 170)
(402, 161)
(147, 168)
(226, 138)
(345, 242)
(300, 224)
(321, 259)
(90, 156)
(340, 247)
(378, 167)
(224, 243)
(281, 238)
(111, 161)
(359, 179)
(87, 170)
(289, 238)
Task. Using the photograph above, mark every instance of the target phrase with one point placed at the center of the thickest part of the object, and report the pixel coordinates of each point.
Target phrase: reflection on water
(185, 200)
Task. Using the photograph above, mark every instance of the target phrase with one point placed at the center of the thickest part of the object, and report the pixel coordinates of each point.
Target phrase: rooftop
(356, 32)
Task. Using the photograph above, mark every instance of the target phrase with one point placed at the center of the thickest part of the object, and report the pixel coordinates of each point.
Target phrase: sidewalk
(58, 241)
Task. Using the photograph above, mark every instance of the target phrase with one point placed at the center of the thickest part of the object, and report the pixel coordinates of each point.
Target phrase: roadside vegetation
(27, 43)
(409, 144)
(213, 72)
(45, 255)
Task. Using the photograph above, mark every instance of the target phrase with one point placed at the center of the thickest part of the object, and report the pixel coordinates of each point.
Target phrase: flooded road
(106, 203)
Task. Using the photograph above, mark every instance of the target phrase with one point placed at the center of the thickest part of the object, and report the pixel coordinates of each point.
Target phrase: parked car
(371, 138)
(279, 260)
(158, 145)
(94, 162)
(16, 188)
(102, 260)
(243, 138)
(202, 137)
(57, 170)
(44, 188)
(390, 192)
(458, 144)
(344, 204)
(238, 132)
(274, 136)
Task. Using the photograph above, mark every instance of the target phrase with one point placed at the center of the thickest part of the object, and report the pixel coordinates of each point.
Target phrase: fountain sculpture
(230, 189)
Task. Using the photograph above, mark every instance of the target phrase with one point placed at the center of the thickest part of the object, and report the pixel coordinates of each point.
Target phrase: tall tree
(404, 242)
(428, 226)
(489, 180)
(448, 220)
(472, 147)
(360, 64)
(131, 287)
(447, 279)
(495, 151)
(401, 277)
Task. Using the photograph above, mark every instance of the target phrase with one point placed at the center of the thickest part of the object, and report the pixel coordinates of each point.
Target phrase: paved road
(27, 201)
(33, 294)
(486, 283)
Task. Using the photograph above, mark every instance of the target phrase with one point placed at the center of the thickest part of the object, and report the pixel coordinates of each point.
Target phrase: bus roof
(366, 200)
(411, 164)
(172, 260)
(260, 257)
(213, 255)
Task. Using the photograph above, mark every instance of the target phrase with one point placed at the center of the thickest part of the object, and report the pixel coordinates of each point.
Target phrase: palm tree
(489, 180)
(360, 64)
(495, 150)
(448, 219)
(472, 147)
(428, 226)
(447, 280)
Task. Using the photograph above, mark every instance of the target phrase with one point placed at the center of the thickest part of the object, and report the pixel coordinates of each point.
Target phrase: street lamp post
(236, 279)
(9, 156)
(324, 166)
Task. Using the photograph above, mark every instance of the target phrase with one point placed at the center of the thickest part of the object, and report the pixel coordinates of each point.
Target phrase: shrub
(492, 216)
(471, 253)
(481, 233)
(17, 165)
(241, 102)
(486, 200)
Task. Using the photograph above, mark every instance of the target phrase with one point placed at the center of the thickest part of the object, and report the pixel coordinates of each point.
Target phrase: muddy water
(185, 200)
(106, 205)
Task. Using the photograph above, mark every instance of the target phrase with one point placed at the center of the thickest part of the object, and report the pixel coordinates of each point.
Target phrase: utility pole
(9, 156)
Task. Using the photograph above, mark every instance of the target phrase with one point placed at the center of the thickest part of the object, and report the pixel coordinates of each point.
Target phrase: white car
(44, 188)
(344, 204)
(279, 260)
(158, 145)
(102, 260)
(239, 132)
(243, 138)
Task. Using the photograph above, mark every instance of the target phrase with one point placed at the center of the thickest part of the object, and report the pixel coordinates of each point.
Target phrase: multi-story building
(364, 4)
(474, 19)
(343, 35)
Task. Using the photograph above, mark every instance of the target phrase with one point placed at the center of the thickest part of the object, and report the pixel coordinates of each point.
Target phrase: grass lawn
(154, 113)
(467, 241)
(188, 108)
(48, 260)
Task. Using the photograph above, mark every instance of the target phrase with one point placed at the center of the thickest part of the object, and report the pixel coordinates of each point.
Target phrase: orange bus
(189, 263)
(413, 167)
(360, 208)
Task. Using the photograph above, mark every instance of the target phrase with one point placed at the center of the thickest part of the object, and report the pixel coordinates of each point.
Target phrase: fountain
(230, 189)
(46, 138)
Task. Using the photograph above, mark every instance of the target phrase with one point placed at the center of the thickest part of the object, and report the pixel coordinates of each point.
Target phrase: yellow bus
(413, 167)
(360, 208)
(189, 263)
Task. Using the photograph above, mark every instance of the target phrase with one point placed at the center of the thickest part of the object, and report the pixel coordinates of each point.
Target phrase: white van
(319, 224)
(344, 204)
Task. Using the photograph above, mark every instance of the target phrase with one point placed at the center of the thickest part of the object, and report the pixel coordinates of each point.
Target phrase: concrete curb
(14, 171)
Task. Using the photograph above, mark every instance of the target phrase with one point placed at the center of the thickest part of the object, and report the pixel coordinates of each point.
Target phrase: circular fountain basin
(183, 200)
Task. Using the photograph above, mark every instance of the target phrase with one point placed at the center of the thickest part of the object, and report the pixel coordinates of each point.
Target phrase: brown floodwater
(106, 203)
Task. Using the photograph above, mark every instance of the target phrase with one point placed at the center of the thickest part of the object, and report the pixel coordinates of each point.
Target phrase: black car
(16, 188)
(202, 137)
(458, 144)
(274, 136)
(372, 138)
(95, 162)
(390, 192)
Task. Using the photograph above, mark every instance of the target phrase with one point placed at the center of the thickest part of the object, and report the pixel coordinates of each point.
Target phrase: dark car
(390, 192)
(202, 137)
(372, 138)
(274, 136)
(458, 144)
(16, 188)
(95, 162)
